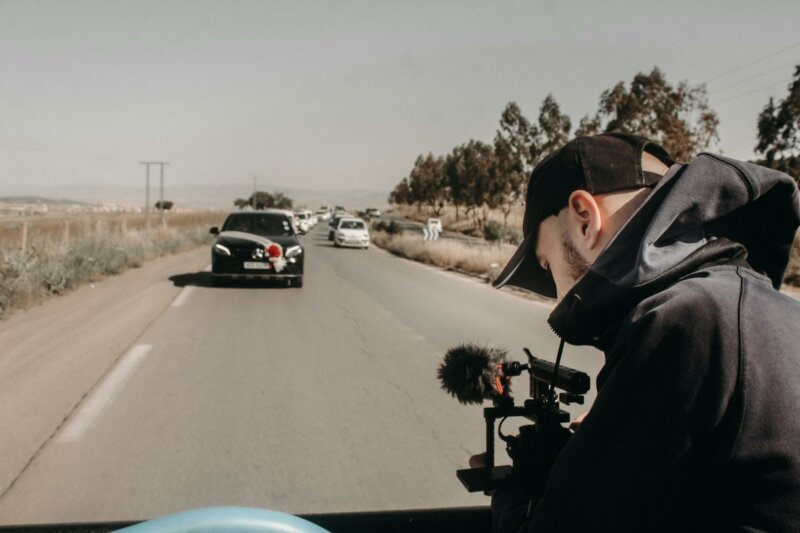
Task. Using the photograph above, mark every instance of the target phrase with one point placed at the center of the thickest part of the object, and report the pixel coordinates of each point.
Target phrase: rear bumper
(251, 275)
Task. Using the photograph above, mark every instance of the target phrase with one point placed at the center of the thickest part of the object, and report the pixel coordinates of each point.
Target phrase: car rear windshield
(259, 224)
(352, 224)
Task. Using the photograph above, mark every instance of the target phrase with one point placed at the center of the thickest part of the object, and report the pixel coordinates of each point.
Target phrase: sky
(344, 95)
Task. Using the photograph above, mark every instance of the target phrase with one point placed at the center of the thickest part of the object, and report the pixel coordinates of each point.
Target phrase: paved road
(320, 399)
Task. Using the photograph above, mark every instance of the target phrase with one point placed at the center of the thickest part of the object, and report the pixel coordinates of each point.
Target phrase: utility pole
(147, 190)
(255, 182)
(147, 194)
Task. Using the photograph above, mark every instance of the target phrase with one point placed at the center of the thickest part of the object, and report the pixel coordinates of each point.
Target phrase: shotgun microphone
(472, 373)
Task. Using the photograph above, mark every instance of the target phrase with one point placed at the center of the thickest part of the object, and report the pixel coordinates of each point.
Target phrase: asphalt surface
(312, 400)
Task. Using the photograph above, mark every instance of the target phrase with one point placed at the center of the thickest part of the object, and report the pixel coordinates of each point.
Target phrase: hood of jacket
(713, 211)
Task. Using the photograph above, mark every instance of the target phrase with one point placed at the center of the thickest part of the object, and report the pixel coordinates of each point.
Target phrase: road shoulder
(53, 354)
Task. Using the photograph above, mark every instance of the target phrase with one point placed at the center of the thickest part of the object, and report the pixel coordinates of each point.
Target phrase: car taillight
(274, 250)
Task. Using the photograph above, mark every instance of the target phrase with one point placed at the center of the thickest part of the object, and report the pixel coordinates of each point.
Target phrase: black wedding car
(257, 245)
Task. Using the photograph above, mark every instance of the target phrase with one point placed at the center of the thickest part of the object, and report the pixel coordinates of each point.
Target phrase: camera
(534, 450)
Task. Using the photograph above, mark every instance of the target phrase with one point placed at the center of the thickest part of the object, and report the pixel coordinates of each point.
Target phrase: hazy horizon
(344, 96)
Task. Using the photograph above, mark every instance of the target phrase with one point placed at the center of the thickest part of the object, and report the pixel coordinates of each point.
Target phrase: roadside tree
(401, 194)
(679, 118)
(428, 183)
(262, 200)
(779, 131)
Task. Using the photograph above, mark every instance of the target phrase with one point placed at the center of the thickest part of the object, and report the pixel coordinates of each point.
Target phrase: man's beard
(577, 265)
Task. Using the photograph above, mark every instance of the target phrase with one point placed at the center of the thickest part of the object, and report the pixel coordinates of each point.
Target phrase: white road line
(104, 394)
(181, 298)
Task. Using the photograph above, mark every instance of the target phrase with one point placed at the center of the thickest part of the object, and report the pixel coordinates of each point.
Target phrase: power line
(745, 80)
(737, 69)
(754, 90)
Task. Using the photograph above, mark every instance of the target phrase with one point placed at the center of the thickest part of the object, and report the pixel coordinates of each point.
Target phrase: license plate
(253, 265)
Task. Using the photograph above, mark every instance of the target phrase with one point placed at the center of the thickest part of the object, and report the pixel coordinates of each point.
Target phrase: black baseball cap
(604, 163)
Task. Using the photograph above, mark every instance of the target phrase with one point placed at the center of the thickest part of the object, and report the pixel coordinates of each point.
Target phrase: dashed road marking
(104, 394)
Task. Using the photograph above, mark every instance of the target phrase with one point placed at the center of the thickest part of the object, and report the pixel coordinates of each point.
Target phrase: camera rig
(542, 408)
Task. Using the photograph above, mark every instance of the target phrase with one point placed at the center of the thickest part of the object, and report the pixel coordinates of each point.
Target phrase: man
(673, 271)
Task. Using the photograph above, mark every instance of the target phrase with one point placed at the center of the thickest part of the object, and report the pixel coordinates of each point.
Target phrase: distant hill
(197, 195)
(39, 200)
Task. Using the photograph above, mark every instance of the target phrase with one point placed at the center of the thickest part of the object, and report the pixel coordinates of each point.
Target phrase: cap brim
(523, 270)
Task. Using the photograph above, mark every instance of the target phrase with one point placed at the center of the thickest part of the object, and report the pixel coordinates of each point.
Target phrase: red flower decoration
(274, 250)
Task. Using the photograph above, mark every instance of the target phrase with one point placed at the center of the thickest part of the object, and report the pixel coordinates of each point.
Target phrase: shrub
(47, 268)
(493, 231)
(446, 253)
(390, 228)
(514, 236)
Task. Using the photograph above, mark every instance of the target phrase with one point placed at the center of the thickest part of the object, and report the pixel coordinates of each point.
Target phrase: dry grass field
(447, 253)
(42, 256)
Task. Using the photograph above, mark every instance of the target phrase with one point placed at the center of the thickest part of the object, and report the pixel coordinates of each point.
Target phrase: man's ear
(584, 214)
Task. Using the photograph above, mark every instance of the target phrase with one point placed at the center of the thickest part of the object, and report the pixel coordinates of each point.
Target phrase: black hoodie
(696, 425)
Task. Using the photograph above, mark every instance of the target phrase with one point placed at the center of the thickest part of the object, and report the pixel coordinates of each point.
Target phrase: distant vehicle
(257, 245)
(352, 232)
(288, 212)
(323, 214)
(303, 221)
(373, 212)
(333, 224)
(312, 218)
(434, 224)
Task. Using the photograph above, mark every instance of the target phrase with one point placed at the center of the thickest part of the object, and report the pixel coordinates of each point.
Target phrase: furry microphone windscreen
(469, 370)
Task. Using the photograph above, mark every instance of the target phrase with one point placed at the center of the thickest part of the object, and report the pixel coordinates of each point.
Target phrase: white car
(303, 221)
(351, 232)
(312, 218)
(289, 213)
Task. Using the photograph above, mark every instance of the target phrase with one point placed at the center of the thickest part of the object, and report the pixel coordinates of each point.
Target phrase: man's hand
(478, 461)
(575, 424)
